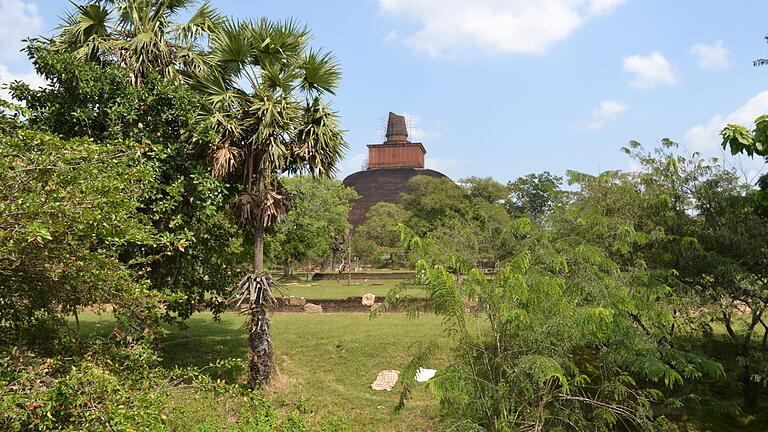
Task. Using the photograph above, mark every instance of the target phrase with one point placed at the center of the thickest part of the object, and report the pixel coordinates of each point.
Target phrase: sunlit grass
(327, 363)
(333, 289)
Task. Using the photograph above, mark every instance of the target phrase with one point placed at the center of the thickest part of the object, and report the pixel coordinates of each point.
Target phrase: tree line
(166, 161)
(617, 300)
(142, 179)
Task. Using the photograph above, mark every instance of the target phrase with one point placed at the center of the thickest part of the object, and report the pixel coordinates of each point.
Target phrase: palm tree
(140, 35)
(263, 95)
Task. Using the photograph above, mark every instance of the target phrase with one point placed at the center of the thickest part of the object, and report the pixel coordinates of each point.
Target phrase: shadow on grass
(204, 342)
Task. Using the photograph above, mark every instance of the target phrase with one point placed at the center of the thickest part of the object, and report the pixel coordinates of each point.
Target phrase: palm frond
(206, 19)
(319, 140)
(278, 43)
(250, 208)
(139, 35)
(279, 79)
(231, 47)
(83, 32)
(321, 73)
(224, 160)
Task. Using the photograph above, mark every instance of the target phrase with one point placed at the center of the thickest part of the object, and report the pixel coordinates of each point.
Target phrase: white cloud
(6, 77)
(714, 56)
(650, 70)
(705, 138)
(352, 163)
(606, 112)
(416, 133)
(18, 20)
(441, 164)
(454, 28)
(392, 36)
(597, 7)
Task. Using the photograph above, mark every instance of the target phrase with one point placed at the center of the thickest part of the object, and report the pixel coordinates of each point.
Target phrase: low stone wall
(374, 276)
(362, 276)
(349, 304)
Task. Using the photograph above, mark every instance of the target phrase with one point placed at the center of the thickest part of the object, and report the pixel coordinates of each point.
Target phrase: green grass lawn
(369, 271)
(327, 363)
(331, 289)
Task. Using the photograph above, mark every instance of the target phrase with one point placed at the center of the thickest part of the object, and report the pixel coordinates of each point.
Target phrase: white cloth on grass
(423, 375)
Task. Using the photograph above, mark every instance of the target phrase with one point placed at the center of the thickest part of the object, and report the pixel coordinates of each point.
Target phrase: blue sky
(504, 88)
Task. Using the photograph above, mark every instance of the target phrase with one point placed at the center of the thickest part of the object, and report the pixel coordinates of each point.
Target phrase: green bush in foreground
(67, 207)
(122, 389)
(114, 390)
(550, 345)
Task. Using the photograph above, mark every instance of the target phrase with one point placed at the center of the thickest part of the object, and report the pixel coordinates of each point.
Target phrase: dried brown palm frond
(254, 292)
(248, 208)
(254, 298)
(224, 160)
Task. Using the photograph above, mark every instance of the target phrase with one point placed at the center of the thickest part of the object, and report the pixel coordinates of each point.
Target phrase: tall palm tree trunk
(261, 364)
(258, 248)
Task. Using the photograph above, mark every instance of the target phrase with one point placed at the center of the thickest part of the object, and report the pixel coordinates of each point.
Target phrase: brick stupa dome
(390, 166)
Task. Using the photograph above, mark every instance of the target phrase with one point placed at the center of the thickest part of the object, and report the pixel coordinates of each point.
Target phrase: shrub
(549, 344)
(66, 208)
(107, 391)
(101, 385)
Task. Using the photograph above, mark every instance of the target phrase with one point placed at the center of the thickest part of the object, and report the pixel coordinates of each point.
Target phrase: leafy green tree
(195, 260)
(486, 189)
(727, 248)
(534, 195)
(740, 139)
(431, 201)
(495, 229)
(752, 142)
(468, 220)
(263, 95)
(67, 207)
(318, 218)
(139, 35)
(696, 229)
(377, 241)
(550, 344)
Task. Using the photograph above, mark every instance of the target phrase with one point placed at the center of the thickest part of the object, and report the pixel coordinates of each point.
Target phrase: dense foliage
(109, 203)
(593, 320)
(474, 221)
(102, 386)
(551, 344)
(191, 261)
(314, 231)
(67, 208)
(377, 241)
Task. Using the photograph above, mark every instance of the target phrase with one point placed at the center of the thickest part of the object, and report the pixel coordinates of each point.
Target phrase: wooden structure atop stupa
(390, 165)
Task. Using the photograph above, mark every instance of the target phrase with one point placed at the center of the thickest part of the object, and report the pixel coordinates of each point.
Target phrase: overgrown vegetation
(167, 159)
(611, 307)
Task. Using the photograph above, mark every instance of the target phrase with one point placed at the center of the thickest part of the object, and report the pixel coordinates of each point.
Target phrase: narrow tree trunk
(258, 248)
(349, 271)
(77, 323)
(261, 362)
(749, 390)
